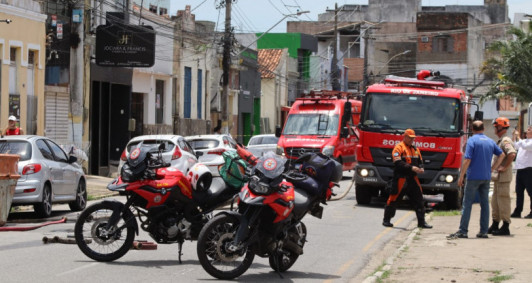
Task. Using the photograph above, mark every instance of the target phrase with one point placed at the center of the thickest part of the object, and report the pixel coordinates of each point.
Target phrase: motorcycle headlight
(259, 188)
(328, 150)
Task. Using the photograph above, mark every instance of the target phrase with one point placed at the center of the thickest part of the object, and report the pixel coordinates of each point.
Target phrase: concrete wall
(393, 11)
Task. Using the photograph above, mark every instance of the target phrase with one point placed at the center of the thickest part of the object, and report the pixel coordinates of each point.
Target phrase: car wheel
(44, 208)
(81, 197)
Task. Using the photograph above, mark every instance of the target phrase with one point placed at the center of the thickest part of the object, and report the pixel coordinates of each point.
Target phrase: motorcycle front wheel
(213, 249)
(97, 242)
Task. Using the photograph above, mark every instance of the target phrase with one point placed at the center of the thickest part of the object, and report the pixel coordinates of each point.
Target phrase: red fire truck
(322, 121)
(440, 118)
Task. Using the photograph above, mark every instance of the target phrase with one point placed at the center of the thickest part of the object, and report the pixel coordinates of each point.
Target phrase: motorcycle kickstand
(180, 245)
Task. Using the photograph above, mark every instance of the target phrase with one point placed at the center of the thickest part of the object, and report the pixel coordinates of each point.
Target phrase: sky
(262, 15)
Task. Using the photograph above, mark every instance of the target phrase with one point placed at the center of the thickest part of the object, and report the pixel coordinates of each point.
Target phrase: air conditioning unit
(425, 39)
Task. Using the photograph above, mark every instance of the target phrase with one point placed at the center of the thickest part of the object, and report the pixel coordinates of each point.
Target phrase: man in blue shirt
(477, 163)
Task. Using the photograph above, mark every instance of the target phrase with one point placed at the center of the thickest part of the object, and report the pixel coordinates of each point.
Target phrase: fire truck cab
(323, 121)
(440, 118)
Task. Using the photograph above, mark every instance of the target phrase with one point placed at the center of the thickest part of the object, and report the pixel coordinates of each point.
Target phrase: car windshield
(169, 146)
(263, 140)
(22, 148)
(311, 124)
(204, 143)
(426, 114)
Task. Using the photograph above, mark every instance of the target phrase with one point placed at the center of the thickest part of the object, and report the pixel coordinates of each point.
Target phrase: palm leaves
(510, 67)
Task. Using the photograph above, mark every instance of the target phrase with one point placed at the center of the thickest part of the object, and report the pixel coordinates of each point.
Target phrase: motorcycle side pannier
(233, 170)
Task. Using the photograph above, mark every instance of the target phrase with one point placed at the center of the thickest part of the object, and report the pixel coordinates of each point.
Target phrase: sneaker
(482, 235)
(456, 235)
(529, 216)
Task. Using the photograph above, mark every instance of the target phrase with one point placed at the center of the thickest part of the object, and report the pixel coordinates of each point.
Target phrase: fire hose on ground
(344, 194)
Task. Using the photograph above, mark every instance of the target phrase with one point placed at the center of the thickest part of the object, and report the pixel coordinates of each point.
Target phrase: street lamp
(396, 55)
(285, 16)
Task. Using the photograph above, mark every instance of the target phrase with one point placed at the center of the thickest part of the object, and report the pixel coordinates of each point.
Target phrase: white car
(260, 144)
(47, 174)
(177, 152)
(211, 148)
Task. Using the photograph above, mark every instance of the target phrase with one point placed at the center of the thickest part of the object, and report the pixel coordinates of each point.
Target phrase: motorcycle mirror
(162, 146)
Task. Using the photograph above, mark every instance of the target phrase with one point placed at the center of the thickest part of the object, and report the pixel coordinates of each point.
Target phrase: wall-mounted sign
(59, 31)
(54, 20)
(77, 15)
(125, 46)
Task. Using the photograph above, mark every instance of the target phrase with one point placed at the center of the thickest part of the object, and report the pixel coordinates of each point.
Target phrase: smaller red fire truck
(322, 121)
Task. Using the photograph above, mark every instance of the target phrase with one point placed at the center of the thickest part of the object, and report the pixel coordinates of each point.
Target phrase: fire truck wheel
(363, 194)
(453, 199)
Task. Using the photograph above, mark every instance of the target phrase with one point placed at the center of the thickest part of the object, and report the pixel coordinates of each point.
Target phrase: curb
(391, 259)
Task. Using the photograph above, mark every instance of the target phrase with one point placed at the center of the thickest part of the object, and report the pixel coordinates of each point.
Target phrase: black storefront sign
(120, 45)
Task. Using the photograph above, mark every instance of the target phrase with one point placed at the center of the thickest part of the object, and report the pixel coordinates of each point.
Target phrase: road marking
(78, 269)
(348, 264)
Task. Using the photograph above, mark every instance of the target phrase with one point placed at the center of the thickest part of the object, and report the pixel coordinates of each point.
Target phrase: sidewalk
(428, 256)
(97, 187)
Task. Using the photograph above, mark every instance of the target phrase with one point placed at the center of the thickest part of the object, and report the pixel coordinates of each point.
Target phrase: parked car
(177, 151)
(211, 148)
(260, 144)
(48, 174)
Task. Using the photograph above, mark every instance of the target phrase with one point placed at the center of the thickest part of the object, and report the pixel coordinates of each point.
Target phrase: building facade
(23, 59)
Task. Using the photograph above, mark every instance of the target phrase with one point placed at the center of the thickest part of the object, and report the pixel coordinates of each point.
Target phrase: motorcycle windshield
(271, 165)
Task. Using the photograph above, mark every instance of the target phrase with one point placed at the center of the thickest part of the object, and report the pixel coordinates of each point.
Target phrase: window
(22, 148)
(153, 9)
(163, 11)
(44, 149)
(183, 144)
(59, 154)
(442, 44)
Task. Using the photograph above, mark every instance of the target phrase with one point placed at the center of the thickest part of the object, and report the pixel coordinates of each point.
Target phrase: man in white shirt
(523, 178)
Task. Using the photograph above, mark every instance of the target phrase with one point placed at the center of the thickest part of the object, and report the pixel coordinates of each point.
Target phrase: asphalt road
(339, 247)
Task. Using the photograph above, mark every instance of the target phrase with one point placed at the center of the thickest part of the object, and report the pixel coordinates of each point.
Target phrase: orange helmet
(502, 121)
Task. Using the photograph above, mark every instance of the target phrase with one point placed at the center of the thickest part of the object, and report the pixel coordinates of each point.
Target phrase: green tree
(510, 67)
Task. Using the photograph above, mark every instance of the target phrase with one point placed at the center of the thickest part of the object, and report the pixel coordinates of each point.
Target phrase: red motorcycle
(268, 222)
(171, 206)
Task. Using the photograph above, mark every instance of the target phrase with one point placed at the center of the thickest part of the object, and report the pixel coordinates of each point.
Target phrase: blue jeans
(471, 188)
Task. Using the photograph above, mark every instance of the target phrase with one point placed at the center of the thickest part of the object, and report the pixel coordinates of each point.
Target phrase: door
(56, 171)
(137, 112)
(188, 92)
(199, 105)
(68, 182)
(119, 112)
(56, 116)
(246, 120)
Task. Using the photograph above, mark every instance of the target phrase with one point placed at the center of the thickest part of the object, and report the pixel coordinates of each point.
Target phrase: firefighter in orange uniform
(407, 164)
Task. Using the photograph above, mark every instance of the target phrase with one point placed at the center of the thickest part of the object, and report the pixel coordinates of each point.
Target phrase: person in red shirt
(12, 128)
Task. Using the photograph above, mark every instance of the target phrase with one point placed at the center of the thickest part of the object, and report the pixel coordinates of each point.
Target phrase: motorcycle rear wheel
(95, 241)
(286, 259)
(212, 249)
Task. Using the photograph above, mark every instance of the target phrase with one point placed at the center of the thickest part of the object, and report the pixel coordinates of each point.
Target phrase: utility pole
(335, 72)
(226, 64)
(77, 33)
(365, 81)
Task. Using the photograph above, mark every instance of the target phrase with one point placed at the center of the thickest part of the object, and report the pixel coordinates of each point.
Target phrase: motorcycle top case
(233, 170)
